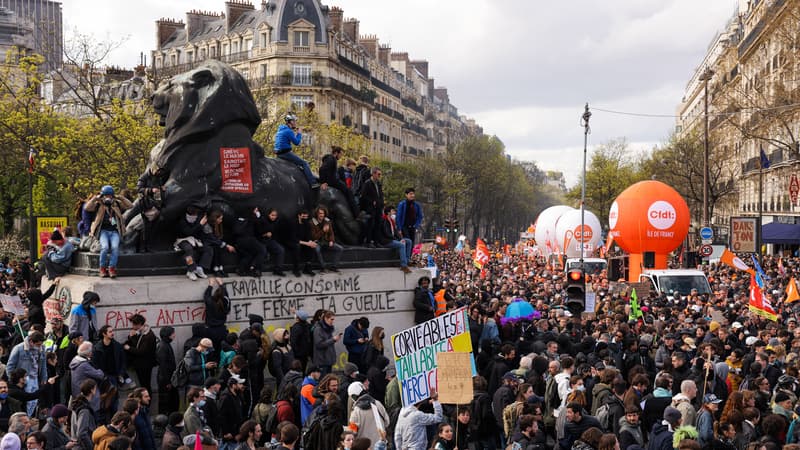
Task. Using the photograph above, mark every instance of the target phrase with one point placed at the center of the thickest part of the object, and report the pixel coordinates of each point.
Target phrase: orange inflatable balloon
(649, 216)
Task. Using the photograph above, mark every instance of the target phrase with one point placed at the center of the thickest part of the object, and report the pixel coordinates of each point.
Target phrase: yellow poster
(45, 226)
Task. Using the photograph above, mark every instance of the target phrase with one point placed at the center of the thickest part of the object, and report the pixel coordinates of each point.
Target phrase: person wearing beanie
(300, 337)
(172, 435)
(350, 376)
(356, 338)
(55, 429)
(783, 405)
(661, 436)
(83, 317)
(281, 357)
(165, 356)
(58, 255)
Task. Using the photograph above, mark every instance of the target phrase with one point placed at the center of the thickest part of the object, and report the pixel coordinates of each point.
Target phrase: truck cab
(676, 281)
(591, 266)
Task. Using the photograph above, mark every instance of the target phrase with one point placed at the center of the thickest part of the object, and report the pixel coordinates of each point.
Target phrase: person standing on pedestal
(409, 216)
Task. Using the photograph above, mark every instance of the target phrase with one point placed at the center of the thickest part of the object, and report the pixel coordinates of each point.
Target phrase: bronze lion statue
(209, 117)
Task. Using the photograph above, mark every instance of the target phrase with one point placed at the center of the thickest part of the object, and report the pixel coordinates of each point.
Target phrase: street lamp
(705, 77)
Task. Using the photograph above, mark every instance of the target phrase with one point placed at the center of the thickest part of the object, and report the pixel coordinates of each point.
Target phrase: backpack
(181, 375)
(271, 423)
(604, 416)
(314, 436)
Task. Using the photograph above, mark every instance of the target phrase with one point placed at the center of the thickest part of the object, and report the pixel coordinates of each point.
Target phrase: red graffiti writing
(157, 318)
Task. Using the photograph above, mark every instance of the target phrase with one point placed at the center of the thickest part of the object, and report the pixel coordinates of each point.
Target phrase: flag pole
(760, 202)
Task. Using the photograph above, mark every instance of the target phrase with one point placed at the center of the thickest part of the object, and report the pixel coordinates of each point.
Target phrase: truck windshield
(683, 284)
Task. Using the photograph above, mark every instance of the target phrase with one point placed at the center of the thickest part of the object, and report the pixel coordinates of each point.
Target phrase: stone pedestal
(384, 295)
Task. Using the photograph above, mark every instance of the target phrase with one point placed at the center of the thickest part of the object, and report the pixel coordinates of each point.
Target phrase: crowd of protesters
(692, 373)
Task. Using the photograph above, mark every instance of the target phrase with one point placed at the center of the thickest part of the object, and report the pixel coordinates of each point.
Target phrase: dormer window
(301, 39)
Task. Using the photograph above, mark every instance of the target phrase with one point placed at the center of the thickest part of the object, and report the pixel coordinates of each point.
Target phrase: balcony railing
(233, 58)
(302, 49)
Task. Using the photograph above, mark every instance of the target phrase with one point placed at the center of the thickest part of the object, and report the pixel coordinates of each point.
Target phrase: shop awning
(780, 233)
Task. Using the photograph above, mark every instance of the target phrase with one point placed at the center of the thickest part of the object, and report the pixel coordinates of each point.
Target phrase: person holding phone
(108, 226)
(324, 341)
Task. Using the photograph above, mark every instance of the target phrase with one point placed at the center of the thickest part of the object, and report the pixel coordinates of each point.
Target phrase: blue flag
(760, 275)
(764, 160)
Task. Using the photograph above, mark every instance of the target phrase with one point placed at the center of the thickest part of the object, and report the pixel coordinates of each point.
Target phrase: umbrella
(519, 309)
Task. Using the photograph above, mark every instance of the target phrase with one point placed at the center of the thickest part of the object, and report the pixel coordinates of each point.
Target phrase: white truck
(676, 281)
(590, 265)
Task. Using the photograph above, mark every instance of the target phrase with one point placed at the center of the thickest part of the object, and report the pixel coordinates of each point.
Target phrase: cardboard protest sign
(12, 305)
(415, 352)
(454, 378)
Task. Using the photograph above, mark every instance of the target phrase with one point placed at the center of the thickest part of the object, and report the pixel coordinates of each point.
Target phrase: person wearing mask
(108, 226)
(55, 430)
(8, 406)
(29, 356)
(409, 216)
(197, 363)
(140, 348)
(391, 238)
(194, 418)
(165, 356)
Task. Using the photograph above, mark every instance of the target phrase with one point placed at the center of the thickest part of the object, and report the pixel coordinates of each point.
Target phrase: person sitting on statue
(289, 134)
(151, 199)
(390, 238)
(299, 244)
(322, 235)
(213, 238)
(251, 251)
(108, 227)
(270, 230)
(190, 242)
(58, 256)
(329, 177)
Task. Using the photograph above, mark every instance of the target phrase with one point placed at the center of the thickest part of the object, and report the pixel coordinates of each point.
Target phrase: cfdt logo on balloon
(613, 215)
(584, 235)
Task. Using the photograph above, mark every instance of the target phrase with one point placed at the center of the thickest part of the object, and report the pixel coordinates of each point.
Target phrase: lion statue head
(200, 102)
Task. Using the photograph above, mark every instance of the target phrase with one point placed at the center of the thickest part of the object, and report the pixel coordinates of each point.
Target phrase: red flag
(759, 303)
(481, 254)
(198, 444)
(31, 159)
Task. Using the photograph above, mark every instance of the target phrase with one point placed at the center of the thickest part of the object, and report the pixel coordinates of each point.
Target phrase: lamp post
(705, 77)
(585, 122)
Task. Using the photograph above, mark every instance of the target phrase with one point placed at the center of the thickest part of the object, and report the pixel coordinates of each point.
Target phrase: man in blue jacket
(409, 216)
(356, 339)
(284, 138)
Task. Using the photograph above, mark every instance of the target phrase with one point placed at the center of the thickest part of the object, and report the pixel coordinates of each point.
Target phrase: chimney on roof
(370, 44)
(383, 54)
(430, 88)
(233, 10)
(350, 28)
(336, 15)
(166, 28)
(421, 66)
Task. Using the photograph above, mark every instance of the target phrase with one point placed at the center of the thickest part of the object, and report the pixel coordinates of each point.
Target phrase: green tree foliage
(610, 171)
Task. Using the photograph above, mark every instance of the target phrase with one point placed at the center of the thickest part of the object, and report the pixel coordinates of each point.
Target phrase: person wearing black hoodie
(36, 301)
(165, 355)
(218, 305)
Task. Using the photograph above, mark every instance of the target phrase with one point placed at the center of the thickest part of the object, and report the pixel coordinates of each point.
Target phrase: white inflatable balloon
(570, 238)
(545, 235)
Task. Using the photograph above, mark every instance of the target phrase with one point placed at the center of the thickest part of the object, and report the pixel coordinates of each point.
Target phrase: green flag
(636, 311)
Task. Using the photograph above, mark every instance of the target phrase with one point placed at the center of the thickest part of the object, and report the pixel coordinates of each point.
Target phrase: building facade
(308, 52)
(751, 78)
(47, 34)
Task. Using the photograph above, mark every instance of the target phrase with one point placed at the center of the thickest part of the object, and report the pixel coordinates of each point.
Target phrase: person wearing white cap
(197, 362)
(368, 417)
(231, 414)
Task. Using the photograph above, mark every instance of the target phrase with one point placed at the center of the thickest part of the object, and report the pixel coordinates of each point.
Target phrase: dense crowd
(693, 372)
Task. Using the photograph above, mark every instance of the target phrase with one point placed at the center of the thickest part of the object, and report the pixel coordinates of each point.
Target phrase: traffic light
(576, 291)
(447, 225)
(455, 225)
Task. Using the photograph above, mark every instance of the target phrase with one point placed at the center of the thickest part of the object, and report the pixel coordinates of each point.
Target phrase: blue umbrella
(518, 309)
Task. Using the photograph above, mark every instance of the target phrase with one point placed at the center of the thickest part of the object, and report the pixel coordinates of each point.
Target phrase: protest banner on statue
(415, 352)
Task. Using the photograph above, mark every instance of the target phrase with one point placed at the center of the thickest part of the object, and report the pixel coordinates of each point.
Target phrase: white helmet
(290, 117)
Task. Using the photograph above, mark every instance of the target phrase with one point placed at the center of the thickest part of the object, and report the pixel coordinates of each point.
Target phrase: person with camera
(108, 227)
(290, 134)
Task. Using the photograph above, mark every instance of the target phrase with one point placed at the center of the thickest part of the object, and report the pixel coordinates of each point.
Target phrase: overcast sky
(522, 68)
